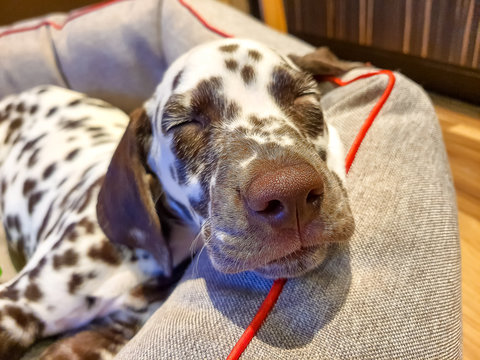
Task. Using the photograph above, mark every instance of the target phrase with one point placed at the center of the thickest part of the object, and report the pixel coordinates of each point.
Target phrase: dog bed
(392, 292)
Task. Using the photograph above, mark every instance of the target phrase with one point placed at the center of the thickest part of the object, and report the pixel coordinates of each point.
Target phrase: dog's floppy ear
(323, 62)
(126, 202)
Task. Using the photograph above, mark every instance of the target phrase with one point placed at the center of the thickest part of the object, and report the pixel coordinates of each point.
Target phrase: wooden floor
(461, 130)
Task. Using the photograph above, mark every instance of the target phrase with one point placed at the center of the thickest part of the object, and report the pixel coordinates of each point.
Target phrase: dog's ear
(323, 62)
(126, 202)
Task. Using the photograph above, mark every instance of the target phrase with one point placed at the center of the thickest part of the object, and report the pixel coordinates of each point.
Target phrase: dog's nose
(288, 197)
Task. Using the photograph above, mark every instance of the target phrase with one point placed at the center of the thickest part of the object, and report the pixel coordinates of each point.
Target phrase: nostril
(314, 196)
(273, 207)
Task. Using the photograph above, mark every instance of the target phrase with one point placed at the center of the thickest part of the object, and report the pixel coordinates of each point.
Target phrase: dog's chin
(295, 264)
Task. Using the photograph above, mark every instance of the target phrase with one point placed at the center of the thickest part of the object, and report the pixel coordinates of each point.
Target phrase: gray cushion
(393, 292)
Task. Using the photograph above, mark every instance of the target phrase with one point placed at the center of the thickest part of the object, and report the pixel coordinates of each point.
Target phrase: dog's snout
(288, 197)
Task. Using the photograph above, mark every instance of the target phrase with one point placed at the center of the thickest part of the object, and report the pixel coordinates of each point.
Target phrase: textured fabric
(393, 292)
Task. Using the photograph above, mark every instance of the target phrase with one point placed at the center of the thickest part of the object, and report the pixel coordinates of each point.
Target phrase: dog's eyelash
(173, 124)
(177, 123)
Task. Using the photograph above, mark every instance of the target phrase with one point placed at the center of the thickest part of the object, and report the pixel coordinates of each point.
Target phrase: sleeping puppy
(235, 141)
(231, 153)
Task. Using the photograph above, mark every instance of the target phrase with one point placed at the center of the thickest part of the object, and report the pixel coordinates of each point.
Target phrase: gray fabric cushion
(393, 292)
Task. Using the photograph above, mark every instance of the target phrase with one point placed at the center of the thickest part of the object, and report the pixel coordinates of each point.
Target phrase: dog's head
(233, 143)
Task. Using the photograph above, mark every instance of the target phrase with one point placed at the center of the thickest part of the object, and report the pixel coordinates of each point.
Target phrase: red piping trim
(203, 21)
(72, 16)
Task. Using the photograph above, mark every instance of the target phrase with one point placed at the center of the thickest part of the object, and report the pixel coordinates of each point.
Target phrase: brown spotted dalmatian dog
(230, 153)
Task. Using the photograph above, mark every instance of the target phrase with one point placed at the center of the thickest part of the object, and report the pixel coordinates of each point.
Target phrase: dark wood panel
(390, 17)
(441, 30)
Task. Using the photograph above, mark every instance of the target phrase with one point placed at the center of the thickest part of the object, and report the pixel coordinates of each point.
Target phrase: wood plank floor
(460, 124)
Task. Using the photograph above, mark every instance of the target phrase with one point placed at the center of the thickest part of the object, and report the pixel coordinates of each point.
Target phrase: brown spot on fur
(71, 155)
(87, 197)
(255, 121)
(33, 293)
(17, 139)
(28, 186)
(94, 128)
(176, 80)
(33, 201)
(14, 125)
(73, 124)
(88, 225)
(52, 111)
(69, 232)
(49, 171)
(231, 64)
(32, 160)
(233, 110)
(207, 100)
(33, 274)
(74, 102)
(254, 55)
(248, 74)
(106, 252)
(13, 222)
(77, 186)
(76, 280)
(33, 109)
(228, 48)
(21, 107)
(29, 145)
(282, 87)
(4, 186)
(69, 258)
(22, 319)
(9, 293)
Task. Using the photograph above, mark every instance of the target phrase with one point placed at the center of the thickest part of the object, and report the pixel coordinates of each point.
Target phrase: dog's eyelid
(307, 97)
(199, 120)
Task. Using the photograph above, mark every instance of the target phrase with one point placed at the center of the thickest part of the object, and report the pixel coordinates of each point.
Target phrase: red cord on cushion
(373, 114)
(203, 21)
(278, 284)
(258, 320)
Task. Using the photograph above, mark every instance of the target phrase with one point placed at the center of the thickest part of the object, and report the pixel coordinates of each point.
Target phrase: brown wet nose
(285, 198)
